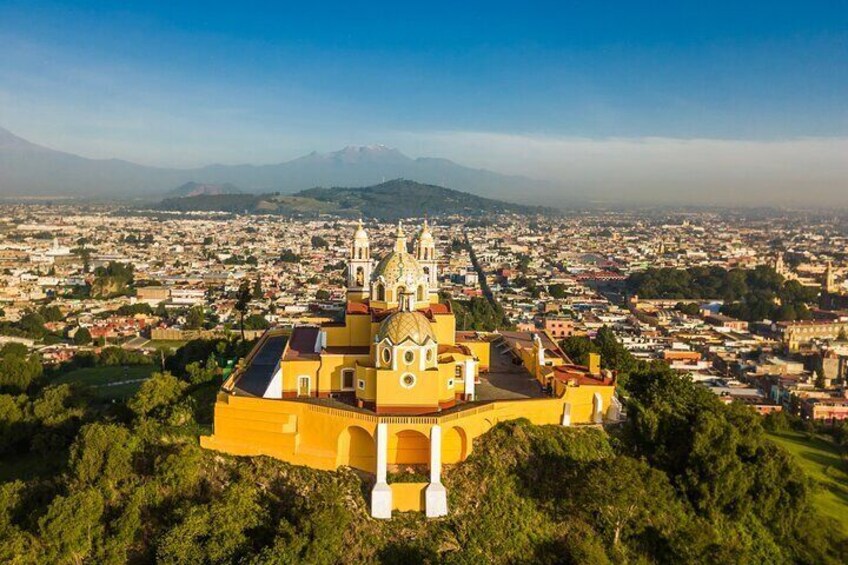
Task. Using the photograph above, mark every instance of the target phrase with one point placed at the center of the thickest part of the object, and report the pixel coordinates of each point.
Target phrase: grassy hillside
(821, 461)
(387, 201)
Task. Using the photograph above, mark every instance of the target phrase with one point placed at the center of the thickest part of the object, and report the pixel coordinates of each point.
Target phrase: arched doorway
(454, 445)
(356, 448)
(409, 447)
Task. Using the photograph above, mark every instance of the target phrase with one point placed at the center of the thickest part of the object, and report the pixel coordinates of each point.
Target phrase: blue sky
(187, 83)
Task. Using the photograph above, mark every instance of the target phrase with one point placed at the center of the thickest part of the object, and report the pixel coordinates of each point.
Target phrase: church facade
(394, 384)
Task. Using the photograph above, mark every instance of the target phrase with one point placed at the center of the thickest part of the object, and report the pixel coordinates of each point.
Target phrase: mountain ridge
(29, 169)
(388, 201)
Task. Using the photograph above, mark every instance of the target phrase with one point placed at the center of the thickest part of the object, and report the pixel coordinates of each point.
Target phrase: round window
(409, 357)
(407, 380)
(387, 356)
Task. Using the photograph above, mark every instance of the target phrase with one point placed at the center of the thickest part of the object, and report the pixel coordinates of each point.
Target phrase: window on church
(347, 379)
(407, 380)
(429, 355)
(409, 357)
(458, 371)
(361, 384)
(381, 292)
(450, 383)
(386, 356)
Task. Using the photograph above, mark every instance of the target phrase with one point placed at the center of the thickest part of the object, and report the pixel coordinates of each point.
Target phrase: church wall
(360, 330)
(481, 350)
(392, 395)
(368, 374)
(444, 326)
(305, 434)
(330, 371)
(293, 369)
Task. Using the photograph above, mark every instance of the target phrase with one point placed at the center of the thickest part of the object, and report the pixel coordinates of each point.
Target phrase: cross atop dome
(400, 238)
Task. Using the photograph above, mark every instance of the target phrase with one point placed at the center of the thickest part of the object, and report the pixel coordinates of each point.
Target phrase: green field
(110, 382)
(821, 461)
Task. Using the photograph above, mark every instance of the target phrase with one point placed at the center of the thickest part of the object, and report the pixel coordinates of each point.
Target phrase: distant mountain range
(390, 200)
(27, 169)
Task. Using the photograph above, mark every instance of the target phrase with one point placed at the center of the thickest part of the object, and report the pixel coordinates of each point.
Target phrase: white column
(436, 497)
(468, 378)
(566, 414)
(381, 494)
(597, 408)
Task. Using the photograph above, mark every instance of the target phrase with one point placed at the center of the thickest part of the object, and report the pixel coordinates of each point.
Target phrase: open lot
(114, 382)
(821, 461)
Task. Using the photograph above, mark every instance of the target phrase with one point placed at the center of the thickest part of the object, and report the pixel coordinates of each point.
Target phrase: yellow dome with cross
(407, 326)
(399, 268)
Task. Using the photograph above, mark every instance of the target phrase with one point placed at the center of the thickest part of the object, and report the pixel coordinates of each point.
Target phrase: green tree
(17, 369)
(578, 348)
(82, 336)
(242, 303)
(257, 289)
(157, 394)
(195, 318)
(72, 526)
(102, 454)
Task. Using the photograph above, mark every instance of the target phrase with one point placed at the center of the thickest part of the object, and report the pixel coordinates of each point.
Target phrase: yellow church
(395, 385)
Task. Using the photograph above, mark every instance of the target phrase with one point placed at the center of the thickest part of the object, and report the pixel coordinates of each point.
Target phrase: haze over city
(608, 102)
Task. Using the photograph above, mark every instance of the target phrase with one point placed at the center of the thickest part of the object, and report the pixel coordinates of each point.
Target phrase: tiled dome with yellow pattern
(403, 326)
(399, 267)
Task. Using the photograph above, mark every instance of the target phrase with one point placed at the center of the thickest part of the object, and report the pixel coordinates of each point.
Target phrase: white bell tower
(359, 266)
(425, 253)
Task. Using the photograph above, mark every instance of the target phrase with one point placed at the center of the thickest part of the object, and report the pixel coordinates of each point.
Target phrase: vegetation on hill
(114, 279)
(197, 189)
(478, 313)
(749, 294)
(401, 198)
(687, 479)
(387, 201)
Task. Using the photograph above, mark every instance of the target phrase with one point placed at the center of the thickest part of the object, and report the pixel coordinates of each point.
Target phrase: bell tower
(829, 286)
(425, 253)
(359, 266)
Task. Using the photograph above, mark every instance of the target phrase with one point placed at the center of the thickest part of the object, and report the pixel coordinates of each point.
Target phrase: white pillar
(436, 497)
(566, 414)
(597, 408)
(381, 494)
(468, 377)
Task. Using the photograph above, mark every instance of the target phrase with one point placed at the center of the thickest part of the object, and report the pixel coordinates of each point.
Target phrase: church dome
(403, 326)
(399, 268)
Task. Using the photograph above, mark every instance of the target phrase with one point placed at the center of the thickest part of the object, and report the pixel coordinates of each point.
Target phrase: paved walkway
(506, 380)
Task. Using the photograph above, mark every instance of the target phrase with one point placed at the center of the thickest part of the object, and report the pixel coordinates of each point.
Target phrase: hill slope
(390, 200)
(200, 189)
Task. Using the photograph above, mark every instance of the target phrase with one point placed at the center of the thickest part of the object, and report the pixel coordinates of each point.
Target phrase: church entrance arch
(356, 448)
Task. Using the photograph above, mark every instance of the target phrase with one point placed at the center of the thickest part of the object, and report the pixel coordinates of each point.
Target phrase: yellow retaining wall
(408, 497)
(326, 438)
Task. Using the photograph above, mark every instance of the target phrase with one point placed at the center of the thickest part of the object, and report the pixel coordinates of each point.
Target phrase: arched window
(381, 291)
